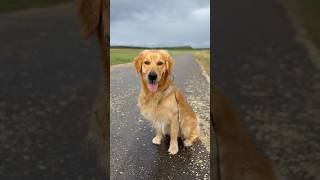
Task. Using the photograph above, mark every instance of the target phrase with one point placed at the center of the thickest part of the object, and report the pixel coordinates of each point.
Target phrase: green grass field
(122, 55)
(11, 5)
(126, 55)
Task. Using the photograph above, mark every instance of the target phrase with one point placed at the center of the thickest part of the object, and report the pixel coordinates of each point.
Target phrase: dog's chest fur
(158, 108)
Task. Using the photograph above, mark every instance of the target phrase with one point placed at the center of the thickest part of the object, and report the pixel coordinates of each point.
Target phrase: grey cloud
(160, 23)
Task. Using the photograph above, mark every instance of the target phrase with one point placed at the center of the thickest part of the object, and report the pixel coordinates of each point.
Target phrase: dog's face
(154, 66)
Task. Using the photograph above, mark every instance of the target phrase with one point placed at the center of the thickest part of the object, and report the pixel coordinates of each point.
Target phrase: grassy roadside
(203, 57)
(307, 14)
(12, 5)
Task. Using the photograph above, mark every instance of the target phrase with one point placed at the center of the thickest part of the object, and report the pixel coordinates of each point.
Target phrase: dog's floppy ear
(168, 61)
(138, 62)
(169, 64)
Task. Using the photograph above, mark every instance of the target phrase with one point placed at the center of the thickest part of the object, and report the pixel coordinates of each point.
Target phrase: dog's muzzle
(152, 77)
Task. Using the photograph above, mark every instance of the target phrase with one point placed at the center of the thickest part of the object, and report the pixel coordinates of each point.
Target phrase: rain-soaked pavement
(133, 156)
(49, 79)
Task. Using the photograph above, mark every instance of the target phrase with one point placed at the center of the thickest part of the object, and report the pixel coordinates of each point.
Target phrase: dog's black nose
(152, 76)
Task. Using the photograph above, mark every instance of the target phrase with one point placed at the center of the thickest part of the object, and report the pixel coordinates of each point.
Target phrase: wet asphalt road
(133, 156)
(49, 80)
(269, 76)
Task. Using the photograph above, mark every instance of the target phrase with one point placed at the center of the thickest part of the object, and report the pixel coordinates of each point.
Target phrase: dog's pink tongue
(153, 87)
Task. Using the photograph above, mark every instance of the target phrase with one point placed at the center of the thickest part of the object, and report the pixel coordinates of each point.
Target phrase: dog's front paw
(187, 142)
(173, 149)
(156, 140)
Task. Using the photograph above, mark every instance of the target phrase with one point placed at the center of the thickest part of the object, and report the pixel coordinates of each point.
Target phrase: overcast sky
(160, 22)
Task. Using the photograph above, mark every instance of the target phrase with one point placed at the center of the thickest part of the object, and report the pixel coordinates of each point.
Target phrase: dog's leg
(157, 139)
(174, 130)
(190, 130)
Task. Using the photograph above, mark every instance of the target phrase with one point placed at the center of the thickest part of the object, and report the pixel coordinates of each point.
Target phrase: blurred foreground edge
(237, 155)
(95, 21)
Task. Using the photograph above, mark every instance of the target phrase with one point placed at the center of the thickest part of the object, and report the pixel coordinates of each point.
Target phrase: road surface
(270, 78)
(49, 80)
(133, 156)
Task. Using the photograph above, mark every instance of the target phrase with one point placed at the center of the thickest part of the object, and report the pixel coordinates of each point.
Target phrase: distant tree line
(163, 47)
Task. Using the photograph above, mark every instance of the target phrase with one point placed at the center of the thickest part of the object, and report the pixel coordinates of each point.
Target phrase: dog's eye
(159, 63)
(147, 62)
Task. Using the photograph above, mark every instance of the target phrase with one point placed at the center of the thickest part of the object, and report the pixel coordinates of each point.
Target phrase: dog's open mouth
(153, 86)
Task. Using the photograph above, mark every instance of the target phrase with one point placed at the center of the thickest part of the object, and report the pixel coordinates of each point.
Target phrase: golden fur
(166, 108)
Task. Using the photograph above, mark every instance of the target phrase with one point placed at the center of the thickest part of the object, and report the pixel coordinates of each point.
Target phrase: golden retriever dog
(162, 103)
